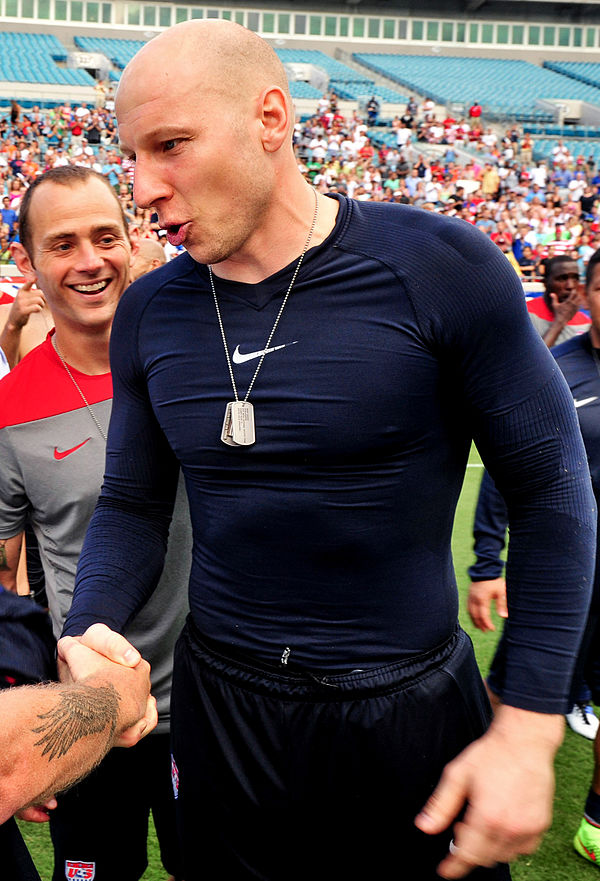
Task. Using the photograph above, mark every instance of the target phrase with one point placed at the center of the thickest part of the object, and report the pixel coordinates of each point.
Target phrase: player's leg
(587, 837)
(157, 758)
(101, 825)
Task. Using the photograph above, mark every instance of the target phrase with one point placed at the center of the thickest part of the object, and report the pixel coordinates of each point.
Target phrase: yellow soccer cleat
(587, 842)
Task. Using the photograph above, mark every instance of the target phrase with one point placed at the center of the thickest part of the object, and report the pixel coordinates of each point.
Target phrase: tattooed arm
(53, 735)
(10, 552)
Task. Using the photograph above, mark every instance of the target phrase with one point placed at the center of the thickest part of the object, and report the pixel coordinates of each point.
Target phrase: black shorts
(103, 821)
(284, 776)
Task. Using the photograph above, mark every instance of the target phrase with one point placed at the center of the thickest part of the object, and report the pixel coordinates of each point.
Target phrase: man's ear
(275, 118)
(24, 264)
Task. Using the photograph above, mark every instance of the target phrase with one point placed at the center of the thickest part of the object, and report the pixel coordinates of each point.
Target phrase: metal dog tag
(227, 430)
(242, 418)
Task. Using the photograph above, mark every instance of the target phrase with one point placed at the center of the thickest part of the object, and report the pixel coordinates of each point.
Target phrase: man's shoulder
(35, 361)
(410, 236)
(575, 346)
(537, 306)
(39, 388)
(393, 215)
(145, 298)
(21, 386)
(177, 270)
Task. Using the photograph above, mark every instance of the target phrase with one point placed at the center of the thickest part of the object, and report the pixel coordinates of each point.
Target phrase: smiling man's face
(79, 254)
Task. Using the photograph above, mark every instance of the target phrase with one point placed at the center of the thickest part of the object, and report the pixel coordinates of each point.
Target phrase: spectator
(475, 110)
(372, 110)
(527, 263)
(5, 255)
(9, 217)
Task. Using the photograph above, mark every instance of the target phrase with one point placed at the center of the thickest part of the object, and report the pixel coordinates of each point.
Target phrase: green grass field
(556, 860)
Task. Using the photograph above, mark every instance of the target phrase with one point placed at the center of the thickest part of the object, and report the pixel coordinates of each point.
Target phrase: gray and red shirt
(52, 465)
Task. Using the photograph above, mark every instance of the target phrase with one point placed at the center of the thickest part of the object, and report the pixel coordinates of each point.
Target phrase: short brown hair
(66, 176)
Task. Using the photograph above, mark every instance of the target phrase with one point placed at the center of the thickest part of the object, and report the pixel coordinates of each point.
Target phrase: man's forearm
(553, 332)
(10, 339)
(10, 553)
(52, 736)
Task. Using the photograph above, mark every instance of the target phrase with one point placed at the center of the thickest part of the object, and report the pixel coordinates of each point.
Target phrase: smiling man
(55, 408)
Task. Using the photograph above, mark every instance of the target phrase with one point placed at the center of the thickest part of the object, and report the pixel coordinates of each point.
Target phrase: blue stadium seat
(510, 86)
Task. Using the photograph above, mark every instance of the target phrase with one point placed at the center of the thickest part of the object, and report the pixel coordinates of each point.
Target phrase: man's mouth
(176, 233)
(95, 288)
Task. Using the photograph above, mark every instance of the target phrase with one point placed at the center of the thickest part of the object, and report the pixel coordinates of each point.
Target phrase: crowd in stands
(533, 210)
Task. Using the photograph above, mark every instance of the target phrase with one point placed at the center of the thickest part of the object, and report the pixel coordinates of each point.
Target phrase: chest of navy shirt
(405, 335)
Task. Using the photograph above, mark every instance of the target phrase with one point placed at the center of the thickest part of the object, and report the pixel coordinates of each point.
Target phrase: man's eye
(170, 144)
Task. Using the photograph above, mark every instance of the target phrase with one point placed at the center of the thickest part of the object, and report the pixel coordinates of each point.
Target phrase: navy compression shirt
(405, 335)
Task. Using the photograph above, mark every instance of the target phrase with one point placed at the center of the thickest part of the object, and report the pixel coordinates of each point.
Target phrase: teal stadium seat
(32, 58)
(510, 86)
(120, 52)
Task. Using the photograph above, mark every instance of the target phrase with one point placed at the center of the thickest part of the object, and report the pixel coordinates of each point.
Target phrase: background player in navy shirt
(318, 367)
(579, 360)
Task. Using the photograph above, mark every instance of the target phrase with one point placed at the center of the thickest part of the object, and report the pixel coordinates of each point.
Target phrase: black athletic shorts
(100, 827)
(285, 776)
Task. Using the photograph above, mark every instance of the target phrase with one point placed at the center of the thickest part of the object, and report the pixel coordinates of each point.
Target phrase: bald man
(150, 255)
(318, 367)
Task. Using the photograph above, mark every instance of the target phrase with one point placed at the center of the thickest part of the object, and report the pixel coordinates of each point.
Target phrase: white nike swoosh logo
(585, 401)
(238, 358)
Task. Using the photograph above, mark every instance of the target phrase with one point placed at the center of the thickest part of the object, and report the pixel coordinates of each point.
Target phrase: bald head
(227, 58)
(205, 111)
(150, 255)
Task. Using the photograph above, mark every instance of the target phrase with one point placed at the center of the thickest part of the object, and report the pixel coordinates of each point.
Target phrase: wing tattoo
(81, 711)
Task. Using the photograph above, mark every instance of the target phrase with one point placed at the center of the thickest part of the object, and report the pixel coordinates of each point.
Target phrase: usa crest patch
(79, 870)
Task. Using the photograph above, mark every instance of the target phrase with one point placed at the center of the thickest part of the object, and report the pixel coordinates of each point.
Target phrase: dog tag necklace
(76, 384)
(238, 425)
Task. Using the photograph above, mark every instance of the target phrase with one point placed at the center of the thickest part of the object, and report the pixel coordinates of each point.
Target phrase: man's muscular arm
(526, 430)
(52, 735)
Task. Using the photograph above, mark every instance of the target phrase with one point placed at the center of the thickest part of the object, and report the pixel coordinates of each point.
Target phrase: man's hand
(100, 639)
(505, 780)
(482, 594)
(101, 655)
(563, 311)
(29, 299)
(38, 813)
